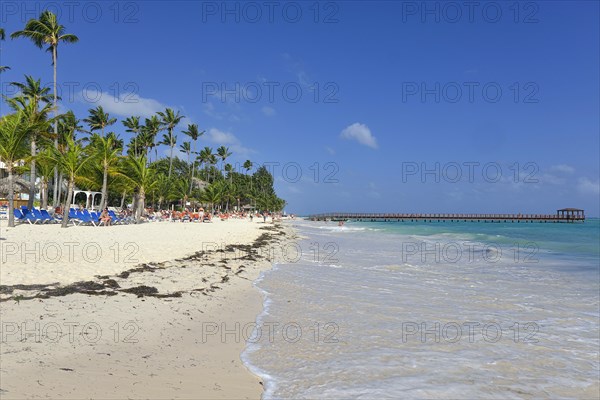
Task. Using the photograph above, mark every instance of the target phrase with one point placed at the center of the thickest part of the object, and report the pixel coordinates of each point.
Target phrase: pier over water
(565, 215)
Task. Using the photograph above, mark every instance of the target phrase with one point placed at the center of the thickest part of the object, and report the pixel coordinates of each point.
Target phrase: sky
(354, 106)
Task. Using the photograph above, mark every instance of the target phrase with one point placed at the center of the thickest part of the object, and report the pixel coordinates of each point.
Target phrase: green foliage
(96, 161)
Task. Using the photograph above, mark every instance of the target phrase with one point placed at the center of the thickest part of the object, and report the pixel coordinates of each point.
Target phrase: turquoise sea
(432, 310)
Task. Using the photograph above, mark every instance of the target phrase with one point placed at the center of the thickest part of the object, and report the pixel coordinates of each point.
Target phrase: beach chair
(39, 216)
(29, 217)
(73, 217)
(85, 217)
(49, 217)
(96, 217)
(114, 217)
(19, 215)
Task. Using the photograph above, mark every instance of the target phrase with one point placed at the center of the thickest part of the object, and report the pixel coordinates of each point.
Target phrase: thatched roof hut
(20, 186)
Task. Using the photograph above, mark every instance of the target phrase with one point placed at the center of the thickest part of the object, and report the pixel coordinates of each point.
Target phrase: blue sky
(357, 100)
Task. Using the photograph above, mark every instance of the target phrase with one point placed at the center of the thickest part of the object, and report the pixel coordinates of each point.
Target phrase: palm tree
(141, 177)
(45, 168)
(162, 188)
(2, 68)
(179, 190)
(206, 155)
(186, 147)
(133, 126)
(229, 170)
(171, 141)
(248, 166)
(152, 126)
(73, 161)
(32, 95)
(194, 134)
(98, 119)
(68, 124)
(33, 90)
(223, 153)
(212, 195)
(169, 120)
(105, 151)
(14, 130)
(47, 31)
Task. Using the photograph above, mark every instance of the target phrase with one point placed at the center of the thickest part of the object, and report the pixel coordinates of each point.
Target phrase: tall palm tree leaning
(2, 68)
(194, 134)
(32, 96)
(169, 120)
(99, 120)
(47, 31)
(14, 130)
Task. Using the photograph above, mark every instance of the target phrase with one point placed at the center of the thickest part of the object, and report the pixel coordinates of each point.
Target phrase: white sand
(79, 253)
(122, 346)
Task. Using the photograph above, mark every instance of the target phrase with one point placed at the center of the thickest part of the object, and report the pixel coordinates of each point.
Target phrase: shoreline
(139, 331)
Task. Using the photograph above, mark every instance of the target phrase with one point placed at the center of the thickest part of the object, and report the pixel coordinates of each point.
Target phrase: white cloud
(563, 168)
(587, 186)
(268, 111)
(552, 179)
(361, 133)
(228, 139)
(124, 105)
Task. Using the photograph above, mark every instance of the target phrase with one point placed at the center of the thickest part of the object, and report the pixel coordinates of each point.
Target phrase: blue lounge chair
(73, 217)
(19, 215)
(48, 217)
(85, 217)
(96, 217)
(114, 217)
(29, 217)
(39, 216)
(93, 217)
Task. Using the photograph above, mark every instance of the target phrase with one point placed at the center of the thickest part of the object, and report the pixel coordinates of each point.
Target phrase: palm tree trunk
(104, 198)
(55, 200)
(135, 202)
(60, 191)
(123, 199)
(67, 203)
(138, 213)
(32, 176)
(193, 168)
(171, 160)
(44, 193)
(11, 196)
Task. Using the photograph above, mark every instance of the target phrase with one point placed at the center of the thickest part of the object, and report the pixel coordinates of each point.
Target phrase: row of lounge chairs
(76, 217)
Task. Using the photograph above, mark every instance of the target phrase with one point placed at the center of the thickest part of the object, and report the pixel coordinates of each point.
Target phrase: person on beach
(105, 217)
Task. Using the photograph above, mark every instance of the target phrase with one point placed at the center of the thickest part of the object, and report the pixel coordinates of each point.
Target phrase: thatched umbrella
(21, 186)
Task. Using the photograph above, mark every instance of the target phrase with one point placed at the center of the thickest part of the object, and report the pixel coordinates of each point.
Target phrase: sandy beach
(142, 311)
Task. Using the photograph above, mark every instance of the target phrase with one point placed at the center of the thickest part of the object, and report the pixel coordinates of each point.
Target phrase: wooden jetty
(569, 215)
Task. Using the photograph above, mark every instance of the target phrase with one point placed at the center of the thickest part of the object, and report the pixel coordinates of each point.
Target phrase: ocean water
(431, 310)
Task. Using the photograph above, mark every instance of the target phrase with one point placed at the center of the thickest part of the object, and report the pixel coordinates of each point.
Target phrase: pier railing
(340, 216)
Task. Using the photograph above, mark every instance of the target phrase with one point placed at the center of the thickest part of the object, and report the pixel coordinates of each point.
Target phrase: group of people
(186, 215)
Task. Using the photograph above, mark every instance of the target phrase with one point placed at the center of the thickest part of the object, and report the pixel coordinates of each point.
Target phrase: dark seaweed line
(110, 287)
